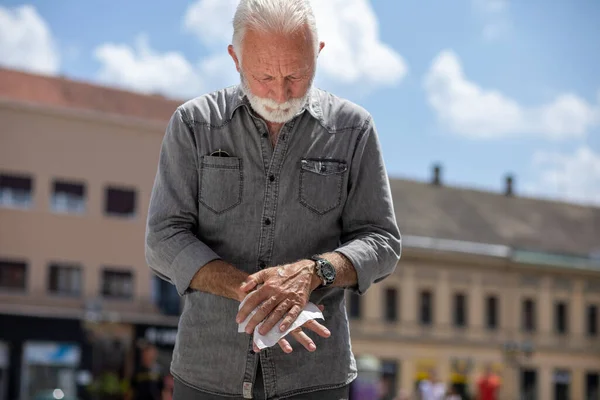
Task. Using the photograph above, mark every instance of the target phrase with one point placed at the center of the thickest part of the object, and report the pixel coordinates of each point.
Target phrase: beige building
(77, 164)
(485, 278)
(488, 279)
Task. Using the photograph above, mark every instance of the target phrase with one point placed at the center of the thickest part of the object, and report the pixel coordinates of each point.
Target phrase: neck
(274, 128)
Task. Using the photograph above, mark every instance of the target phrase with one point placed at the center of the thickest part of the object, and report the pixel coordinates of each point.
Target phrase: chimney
(437, 172)
(508, 188)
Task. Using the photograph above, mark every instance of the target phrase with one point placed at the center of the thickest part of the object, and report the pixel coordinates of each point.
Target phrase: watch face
(328, 272)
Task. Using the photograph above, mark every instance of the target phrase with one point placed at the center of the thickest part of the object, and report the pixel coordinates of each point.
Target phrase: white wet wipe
(310, 312)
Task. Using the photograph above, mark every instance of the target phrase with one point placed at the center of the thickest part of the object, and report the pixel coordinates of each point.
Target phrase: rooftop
(65, 93)
(538, 225)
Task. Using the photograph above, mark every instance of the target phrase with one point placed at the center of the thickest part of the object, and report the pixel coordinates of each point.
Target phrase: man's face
(277, 72)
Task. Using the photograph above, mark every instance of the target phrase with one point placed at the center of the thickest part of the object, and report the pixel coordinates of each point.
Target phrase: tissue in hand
(310, 312)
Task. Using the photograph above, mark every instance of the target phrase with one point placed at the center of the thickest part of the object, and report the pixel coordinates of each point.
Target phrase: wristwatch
(325, 270)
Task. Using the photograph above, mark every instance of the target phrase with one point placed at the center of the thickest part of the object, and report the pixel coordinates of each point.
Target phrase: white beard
(278, 113)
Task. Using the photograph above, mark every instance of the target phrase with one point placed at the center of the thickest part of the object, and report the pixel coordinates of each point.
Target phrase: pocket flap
(324, 166)
(221, 162)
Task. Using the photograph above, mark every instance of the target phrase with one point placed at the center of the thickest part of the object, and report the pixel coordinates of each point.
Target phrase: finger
(262, 311)
(321, 307)
(317, 328)
(252, 281)
(290, 317)
(255, 348)
(252, 301)
(274, 317)
(304, 340)
(285, 346)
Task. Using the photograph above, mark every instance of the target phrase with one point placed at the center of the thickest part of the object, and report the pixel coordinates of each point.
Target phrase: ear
(321, 45)
(231, 52)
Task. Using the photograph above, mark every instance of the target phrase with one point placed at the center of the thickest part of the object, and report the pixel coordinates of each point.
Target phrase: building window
(68, 197)
(491, 312)
(426, 307)
(562, 384)
(389, 378)
(460, 310)
(16, 191)
(165, 296)
(529, 384)
(117, 284)
(64, 280)
(120, 202)
(528, 322)
(391, 305)
(592, 385)
(354, 300)
(13, 275)
(592, 320)
(560, 317)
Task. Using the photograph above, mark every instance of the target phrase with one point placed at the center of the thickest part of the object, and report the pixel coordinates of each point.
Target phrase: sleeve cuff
(189, 261)
(357, 255)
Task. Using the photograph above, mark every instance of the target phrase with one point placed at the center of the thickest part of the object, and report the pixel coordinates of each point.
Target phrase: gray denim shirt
(322, 188)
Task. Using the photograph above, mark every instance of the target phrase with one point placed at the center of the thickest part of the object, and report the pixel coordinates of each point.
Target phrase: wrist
(315, 279)
(324, 270)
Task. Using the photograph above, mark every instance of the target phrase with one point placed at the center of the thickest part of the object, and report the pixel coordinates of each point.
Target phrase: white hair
(273, 16)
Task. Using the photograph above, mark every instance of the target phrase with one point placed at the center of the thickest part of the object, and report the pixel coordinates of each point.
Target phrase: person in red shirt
(488, 385)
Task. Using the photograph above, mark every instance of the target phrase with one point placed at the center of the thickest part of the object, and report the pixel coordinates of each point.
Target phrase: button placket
(268, 226)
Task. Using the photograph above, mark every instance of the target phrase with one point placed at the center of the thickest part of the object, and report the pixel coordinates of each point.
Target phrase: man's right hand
(302, 337)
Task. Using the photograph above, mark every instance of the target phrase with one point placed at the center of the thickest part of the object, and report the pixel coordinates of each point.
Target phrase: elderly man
(275, 194)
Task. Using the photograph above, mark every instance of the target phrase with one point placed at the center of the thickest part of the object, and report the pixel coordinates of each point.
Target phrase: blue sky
(484, 87)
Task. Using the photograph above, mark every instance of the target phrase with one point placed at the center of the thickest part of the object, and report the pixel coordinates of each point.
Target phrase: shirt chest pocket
(321, 183)
(221, 183)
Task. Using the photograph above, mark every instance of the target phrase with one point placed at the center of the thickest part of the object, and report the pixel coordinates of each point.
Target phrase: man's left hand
(285, 291)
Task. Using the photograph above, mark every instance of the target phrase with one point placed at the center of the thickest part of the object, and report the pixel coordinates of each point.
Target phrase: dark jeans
(184, 392)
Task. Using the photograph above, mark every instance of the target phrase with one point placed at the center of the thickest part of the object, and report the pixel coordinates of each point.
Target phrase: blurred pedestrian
(432, 388)
(488, 385)
(147, 380)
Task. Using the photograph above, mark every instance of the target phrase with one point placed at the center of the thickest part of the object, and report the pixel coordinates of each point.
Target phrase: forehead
(266, 51)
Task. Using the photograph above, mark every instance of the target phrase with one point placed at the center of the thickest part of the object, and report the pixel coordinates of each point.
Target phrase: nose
(281, 92)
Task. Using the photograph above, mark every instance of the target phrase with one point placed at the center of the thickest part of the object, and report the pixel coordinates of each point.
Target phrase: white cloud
(569, 176)
(26, 41)
(142, 69)
(470, 110)
(353, 55)
(494, 17)
(210, 20)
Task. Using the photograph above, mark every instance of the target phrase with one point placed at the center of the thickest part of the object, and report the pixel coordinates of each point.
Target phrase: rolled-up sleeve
(172, 249)
(370, 237)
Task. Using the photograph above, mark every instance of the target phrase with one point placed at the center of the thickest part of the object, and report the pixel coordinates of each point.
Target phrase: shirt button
(267, 221)
(265, 135)
(262, 265)
(272, 178)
